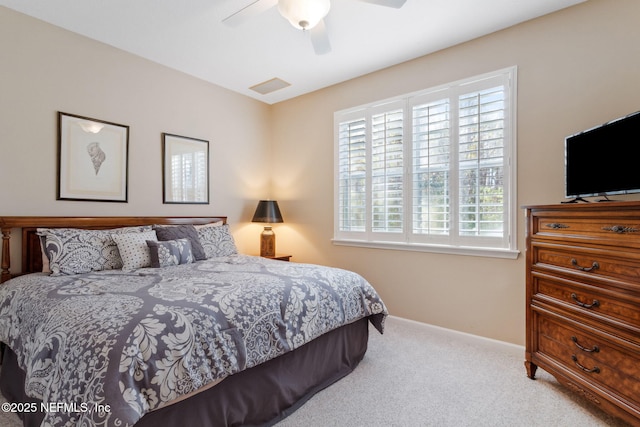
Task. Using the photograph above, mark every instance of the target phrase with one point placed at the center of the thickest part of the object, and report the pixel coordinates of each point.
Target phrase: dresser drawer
(595, 357)
(588, 300)
(621, 231)
(586, 264)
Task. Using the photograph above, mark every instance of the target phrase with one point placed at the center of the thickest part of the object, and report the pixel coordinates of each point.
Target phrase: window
(431, 170)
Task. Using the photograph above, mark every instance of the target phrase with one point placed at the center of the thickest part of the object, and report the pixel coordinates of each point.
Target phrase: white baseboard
(507, 346)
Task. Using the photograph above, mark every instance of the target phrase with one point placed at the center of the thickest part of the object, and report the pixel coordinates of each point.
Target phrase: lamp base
(268, 242)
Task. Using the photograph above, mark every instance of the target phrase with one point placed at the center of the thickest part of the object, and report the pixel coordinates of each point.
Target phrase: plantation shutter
(481, 163)
(387, 171)
(352, 160)
(189, 176)
(431, 168)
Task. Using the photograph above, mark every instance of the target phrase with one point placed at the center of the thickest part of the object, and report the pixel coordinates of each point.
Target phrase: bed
(198, 335)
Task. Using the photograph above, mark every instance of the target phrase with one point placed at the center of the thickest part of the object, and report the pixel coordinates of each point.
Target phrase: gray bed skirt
(260, 396)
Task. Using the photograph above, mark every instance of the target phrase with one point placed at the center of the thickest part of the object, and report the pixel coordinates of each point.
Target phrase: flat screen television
(604, 160)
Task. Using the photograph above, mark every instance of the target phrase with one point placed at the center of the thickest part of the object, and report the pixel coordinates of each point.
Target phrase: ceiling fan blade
(252, 9)
(397, 4)
(320, 38)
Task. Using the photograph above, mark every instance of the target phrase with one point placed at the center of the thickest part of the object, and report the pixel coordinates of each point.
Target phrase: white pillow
(217, 241)
(211, 224)
(134, 250)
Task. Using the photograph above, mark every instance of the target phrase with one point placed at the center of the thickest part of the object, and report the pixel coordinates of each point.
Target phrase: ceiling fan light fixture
(90, 127)
(304, 14)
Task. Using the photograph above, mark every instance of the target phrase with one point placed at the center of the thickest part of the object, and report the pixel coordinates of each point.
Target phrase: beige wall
(44, 69)
(576, 68)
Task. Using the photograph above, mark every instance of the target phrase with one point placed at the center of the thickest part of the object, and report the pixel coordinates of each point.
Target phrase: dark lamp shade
(267, 211)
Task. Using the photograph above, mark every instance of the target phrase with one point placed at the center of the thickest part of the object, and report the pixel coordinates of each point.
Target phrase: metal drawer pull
(556, 225)
(621, 229)
(595, 348)
(595, 369)
(594, 266)
(595, 302)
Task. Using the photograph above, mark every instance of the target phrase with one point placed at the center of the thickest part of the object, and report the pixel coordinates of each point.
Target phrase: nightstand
(279, 257)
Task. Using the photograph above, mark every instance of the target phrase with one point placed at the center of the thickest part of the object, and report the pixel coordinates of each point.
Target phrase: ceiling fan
(306, 15)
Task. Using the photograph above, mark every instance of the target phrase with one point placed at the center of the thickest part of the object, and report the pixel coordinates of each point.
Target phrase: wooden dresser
(583, 301)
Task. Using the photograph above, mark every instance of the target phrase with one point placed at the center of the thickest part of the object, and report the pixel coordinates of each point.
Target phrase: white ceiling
(189, 35)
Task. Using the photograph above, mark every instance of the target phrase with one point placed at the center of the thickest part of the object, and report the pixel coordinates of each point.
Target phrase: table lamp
(269, 212)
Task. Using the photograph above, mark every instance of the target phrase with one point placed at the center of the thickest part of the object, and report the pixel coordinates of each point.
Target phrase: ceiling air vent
(270, 86)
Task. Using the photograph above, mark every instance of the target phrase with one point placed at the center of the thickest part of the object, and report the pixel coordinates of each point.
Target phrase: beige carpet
(418, 375)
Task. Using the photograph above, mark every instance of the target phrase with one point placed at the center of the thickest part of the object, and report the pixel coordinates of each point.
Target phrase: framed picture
(92, 159)
(185, 169)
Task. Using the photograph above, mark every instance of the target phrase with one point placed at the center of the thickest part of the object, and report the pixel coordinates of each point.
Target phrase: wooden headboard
(31, 252)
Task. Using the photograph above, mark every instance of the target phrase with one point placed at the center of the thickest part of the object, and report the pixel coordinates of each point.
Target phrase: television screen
(604, 160)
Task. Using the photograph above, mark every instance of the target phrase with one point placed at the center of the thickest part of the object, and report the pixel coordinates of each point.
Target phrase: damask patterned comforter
(137, 341)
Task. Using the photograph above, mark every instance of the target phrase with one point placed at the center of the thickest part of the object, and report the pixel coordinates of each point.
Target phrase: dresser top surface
(591, 206)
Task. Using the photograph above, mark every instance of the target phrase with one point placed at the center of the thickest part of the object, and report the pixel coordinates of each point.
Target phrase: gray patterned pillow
(217, 241)
(182, 232)
(76, 251)
(134, 250)
(170, 252)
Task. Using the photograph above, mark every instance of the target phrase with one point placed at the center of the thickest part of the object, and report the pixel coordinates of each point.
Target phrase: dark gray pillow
(175, 232)
(170, 252)
(76, 251)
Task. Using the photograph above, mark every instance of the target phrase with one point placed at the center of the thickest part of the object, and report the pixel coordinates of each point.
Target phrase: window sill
(441, 249)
